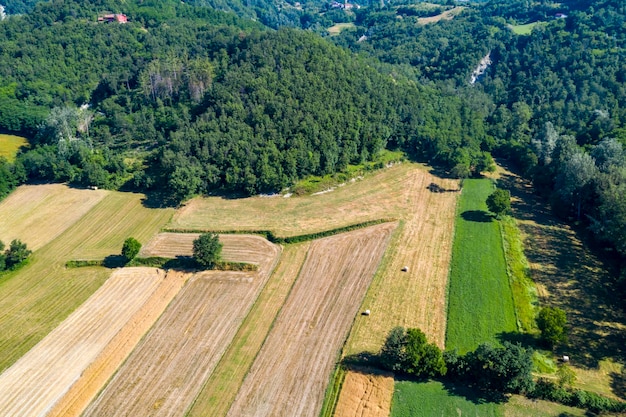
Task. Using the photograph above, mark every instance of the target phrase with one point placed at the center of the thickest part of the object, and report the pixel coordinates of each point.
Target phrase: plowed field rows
(36, 214)
(292, 369)
(167, 369)
(41, 377)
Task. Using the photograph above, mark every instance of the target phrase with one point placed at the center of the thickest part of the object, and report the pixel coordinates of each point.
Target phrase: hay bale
(405, 269)
(366, 313)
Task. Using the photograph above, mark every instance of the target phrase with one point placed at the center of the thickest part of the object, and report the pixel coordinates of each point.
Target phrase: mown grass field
(36, 298)
(480, 303)
(10, 144)
(433, 399)
(337, 28)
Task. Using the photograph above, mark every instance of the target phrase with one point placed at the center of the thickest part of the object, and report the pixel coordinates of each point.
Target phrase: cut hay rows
(42, 294)
(41, 377)
(36, 214)
(221, 388)
(423, 242)
(365, 394)
(10, 145)
(291, 371)
(237, 248)
(168, 367)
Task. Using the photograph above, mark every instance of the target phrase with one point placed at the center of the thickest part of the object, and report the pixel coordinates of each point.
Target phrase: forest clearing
(10, 144)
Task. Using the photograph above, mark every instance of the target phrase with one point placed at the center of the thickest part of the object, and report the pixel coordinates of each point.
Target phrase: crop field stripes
(36, 382)
(168, 367)
(312, 326)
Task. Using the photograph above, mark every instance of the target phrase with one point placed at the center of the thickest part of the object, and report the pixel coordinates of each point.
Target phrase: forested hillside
(189, 100)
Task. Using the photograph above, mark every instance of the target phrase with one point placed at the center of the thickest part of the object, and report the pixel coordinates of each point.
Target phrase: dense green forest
(230, 96)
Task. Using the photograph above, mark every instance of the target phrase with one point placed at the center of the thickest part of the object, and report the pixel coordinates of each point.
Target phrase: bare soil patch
(292, 369)
(168, 367)
(36, 214)
(42, 376)
(570, 276)
(365, 394)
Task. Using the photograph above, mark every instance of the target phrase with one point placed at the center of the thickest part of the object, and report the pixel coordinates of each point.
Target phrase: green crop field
(10, 144)
(432, 399)
(480, 303)
(524, 29)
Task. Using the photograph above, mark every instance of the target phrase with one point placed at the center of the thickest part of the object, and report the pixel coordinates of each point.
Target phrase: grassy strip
(220, 389)
(80, 263)
(522, 285)
(480, 303)
(269, 235)
(434, 399)
(333, 391)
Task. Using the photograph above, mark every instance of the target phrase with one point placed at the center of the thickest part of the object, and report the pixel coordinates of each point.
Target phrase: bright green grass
(523, 29)
(10, 144)
(432, 399)
(480, 303)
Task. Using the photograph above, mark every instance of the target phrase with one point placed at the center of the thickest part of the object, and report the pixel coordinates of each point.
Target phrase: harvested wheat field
(36, 214)
(168, 367)
(292, 369)
(40, 378)
(365, 394)
(383, 194)
(222, 386)
(447, 15)
(38, 297)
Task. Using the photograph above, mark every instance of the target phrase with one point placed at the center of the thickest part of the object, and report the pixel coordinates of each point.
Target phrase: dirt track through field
(292, 369)
(167, 369)
(36, 214)
(41, 377)
(365, 394)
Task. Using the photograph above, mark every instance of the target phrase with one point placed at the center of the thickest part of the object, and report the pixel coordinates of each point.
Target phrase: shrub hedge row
(550, 391)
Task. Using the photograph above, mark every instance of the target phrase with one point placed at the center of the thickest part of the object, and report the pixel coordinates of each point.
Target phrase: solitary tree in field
(207, 249)
(408, 351)
(131, 248)
(17, 252)
(499, 202)
(551, 321)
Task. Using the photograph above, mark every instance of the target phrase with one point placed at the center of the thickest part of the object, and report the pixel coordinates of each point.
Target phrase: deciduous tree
(552, 321)
(207, 249)
(499, 202)
(131, 248)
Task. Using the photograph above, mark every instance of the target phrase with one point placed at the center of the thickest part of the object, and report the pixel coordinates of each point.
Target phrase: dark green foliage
(552, 323)
(80, 263)
(207, 249)
(131, 248)
(507, 369)
(549, 390)
(3, 258)
(409, 352)
(16, 253)
(499, 202)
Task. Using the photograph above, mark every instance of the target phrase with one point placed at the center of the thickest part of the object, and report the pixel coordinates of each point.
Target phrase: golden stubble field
(35, 299)
(292, 369)
(168, 367)
(46, 373)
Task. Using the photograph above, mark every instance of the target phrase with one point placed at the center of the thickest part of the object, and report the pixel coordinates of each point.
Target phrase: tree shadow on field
(618, 383)
(570, 274)
(479, 216)
(361, 360)
(524, 339)
(114, 261)
(474, 395)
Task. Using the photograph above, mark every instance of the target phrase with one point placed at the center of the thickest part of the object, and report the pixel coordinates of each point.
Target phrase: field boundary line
(269, 235)
(269, 330)
(106, 364)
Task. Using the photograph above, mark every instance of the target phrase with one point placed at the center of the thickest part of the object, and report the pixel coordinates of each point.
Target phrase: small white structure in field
(405, 269)
(565, 358)
(366, 313)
